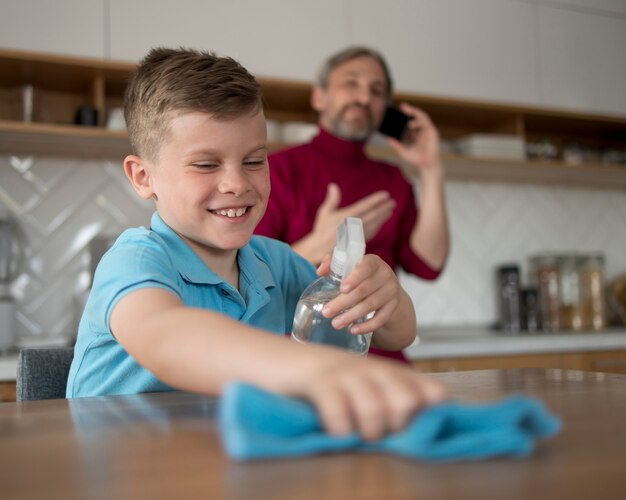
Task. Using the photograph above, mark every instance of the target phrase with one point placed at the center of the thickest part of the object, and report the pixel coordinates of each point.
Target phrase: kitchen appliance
(11, 260)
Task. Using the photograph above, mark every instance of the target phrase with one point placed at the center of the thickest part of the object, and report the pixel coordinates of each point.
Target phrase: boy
(191, 303)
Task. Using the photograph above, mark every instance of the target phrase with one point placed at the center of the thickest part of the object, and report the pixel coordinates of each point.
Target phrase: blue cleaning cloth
(256, 424)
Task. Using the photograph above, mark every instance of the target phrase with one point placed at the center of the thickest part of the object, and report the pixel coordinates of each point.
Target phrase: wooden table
(166, 446)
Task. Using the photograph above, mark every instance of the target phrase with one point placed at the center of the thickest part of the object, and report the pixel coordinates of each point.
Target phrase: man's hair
(168, 82)
(348, 54)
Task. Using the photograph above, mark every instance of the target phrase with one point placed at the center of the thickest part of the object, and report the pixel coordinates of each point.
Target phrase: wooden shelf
(526, 172)
(536, 172)
(62, 140)
(62, 84)
(97, 142)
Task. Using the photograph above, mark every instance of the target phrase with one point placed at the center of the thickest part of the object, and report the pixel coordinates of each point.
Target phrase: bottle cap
(350, 247)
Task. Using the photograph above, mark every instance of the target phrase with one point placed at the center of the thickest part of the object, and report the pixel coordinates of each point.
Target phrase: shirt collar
(338, 148)
(193, 269)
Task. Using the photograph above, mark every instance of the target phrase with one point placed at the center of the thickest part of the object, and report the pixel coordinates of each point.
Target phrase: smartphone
(394, 123)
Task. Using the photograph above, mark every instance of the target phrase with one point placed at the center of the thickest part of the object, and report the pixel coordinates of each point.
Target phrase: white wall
(541, 52)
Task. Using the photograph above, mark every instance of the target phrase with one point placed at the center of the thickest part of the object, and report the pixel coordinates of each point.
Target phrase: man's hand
(373, 210)
(420, 148)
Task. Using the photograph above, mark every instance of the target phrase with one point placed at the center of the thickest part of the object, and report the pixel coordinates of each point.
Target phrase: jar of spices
(593, 292)
(545, 274)
(572, 306)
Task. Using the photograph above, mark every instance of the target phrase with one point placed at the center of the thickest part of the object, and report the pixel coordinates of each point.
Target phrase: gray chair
(42, 372)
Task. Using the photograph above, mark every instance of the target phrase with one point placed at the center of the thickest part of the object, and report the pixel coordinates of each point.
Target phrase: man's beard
(346, 131)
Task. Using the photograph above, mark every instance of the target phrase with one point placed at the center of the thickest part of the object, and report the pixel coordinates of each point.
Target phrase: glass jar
(531, 318)
(572, 306)
(545, 275)
(509, 298)
(593, 292)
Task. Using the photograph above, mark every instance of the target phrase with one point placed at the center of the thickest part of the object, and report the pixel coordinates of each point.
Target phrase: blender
(11, 256)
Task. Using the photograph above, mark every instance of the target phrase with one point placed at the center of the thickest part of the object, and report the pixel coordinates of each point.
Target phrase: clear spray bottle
(309, 325)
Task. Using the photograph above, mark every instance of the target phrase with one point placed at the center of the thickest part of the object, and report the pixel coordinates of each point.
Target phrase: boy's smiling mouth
(230, 212)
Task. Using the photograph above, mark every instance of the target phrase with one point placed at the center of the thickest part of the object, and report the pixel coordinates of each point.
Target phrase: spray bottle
(309, 325)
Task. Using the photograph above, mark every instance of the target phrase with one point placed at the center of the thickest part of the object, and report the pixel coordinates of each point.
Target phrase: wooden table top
(167, 446)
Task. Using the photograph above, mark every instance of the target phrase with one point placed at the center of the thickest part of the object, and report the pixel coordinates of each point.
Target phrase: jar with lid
(572, 306)
(593, 291)
(545, 276)
(530, 314)
(508, 285)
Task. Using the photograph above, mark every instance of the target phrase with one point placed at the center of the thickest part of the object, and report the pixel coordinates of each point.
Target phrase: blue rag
(256, 424)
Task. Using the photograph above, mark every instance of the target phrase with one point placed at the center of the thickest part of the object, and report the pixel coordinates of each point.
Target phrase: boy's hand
(370, 395)
(371, 287)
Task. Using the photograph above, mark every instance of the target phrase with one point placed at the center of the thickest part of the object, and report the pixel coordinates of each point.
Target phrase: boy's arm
(373, 286)
(200, 351)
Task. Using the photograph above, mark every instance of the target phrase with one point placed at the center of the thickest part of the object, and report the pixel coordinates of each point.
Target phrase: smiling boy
(195, 301)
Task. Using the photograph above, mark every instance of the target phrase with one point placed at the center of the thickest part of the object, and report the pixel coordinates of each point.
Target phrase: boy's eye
(254, 163)
(204, 165)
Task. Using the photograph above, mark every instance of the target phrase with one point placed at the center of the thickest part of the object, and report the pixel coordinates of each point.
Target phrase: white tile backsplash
(494, 223)
(62, 204)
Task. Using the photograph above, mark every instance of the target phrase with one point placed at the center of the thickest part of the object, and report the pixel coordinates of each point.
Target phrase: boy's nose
(235, 181)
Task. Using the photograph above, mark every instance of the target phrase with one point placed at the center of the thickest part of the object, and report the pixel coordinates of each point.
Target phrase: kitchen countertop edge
(455, 342)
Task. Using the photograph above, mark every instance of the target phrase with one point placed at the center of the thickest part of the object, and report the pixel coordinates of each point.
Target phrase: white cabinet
(483, 49)
(271, 38)
(604, 7)
(582, 65)
(72, 27)
(557, 53)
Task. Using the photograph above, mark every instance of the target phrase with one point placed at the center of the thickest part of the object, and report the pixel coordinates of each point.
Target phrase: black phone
(394, 123)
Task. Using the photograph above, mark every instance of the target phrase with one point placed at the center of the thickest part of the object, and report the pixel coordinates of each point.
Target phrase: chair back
(42, 372)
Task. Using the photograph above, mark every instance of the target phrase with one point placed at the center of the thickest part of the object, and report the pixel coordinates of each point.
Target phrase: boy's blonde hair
(168, 82)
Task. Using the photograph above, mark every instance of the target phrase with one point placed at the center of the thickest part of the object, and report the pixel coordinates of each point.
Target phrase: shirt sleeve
(408, 259)
(133, 263)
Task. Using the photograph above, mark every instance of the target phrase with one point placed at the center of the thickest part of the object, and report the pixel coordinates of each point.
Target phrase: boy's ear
(138, 173)
(318, 98)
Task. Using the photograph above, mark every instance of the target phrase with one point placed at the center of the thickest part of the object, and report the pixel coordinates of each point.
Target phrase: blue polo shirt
(271, 280)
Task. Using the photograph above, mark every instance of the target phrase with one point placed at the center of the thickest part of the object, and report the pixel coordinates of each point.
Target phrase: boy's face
(211, 181)
(353, 103)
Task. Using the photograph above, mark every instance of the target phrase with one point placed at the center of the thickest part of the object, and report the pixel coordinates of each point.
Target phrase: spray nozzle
(349, 248)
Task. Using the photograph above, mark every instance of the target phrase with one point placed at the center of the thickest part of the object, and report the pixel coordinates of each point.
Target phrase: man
(316, 185)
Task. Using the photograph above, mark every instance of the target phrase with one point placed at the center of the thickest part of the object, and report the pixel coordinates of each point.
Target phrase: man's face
(353, 103)
(211, 181)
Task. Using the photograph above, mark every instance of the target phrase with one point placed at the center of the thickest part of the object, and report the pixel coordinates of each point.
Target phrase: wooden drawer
(601, 361)
(7, 392)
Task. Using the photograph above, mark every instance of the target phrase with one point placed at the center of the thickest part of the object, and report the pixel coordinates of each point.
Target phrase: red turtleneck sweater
(300, 176)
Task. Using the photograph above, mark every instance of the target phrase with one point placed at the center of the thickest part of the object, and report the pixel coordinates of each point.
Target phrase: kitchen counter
(167, 445)
(8, 367)
(470, 341)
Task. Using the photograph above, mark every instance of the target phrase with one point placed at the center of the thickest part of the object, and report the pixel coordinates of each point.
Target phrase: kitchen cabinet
(581, 64)
(600, 361)
(7, 392)
(74, 27)
(62, 84)
(480, 49)
(285, 39)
